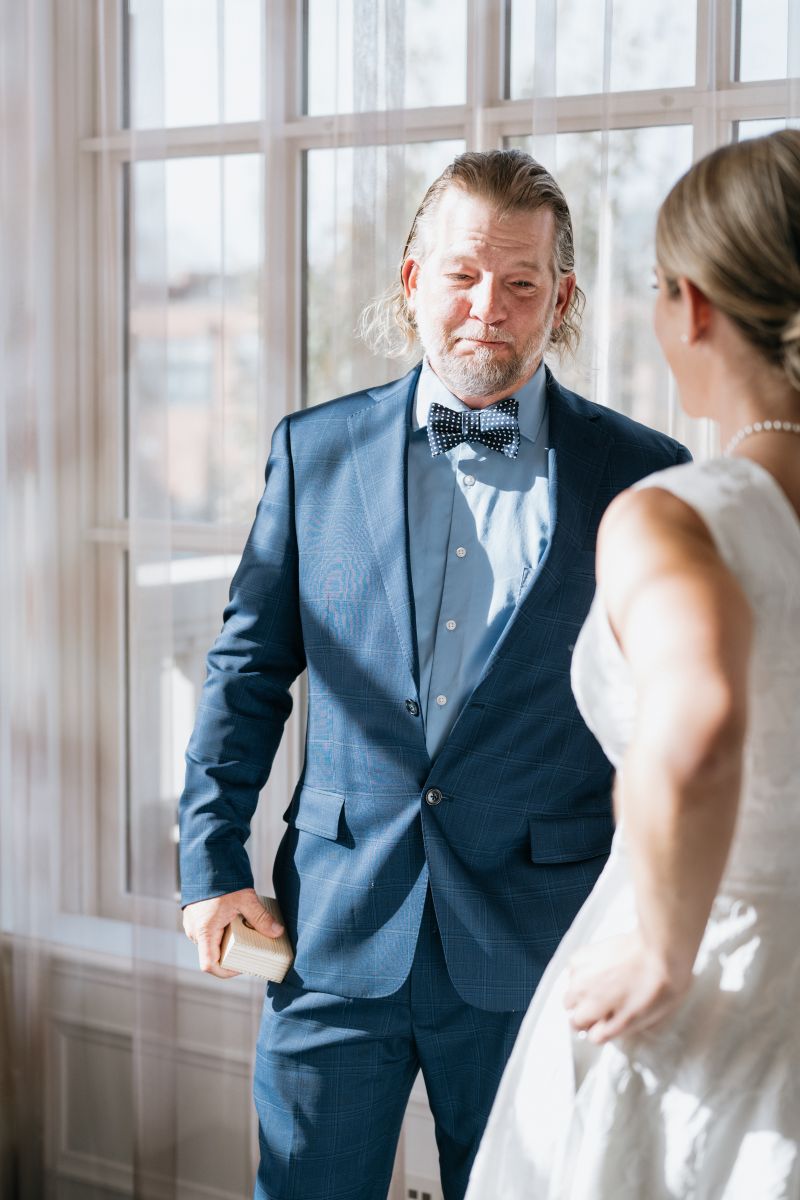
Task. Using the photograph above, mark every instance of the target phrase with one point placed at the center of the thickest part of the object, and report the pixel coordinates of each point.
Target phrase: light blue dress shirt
(478, 525)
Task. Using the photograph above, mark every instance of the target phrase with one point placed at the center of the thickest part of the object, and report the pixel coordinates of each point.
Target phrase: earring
(685, 339)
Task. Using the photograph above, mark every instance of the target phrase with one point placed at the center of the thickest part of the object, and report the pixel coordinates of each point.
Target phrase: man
(426, 551)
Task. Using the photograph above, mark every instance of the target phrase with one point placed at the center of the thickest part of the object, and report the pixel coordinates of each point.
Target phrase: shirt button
(461, 552)
(441, 701)
(469, 480)
(433, 796)
(412, 707)
(450, 624)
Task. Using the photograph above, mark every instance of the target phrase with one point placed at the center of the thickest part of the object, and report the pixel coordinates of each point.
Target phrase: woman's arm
(684, 626)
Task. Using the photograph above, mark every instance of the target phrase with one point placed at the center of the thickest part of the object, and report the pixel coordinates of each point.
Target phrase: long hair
(511, 181)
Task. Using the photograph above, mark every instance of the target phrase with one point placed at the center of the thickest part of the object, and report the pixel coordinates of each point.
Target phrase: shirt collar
(532, 398)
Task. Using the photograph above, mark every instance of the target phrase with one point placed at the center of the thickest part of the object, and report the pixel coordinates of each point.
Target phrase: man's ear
(698, 309)
(409, 273)
(565, 292)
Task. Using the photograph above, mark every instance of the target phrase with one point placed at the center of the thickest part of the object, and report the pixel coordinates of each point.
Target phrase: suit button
(412, 707)
(433, 796)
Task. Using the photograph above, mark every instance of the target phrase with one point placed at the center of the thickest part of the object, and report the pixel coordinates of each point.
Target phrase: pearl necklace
(761, 427)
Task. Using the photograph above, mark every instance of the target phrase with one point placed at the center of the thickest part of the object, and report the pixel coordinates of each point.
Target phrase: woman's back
(757, 532)
(708, 1105)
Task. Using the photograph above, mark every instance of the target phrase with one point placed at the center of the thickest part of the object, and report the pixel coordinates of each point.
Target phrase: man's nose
(487, 304)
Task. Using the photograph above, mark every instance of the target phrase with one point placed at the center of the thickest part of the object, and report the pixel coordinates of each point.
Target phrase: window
(422, 70)
(616, 179)
(254, 170)
(763, 46)
(594, 43)
(336, 288)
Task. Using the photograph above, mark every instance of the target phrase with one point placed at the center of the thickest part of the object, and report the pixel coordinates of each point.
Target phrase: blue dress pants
(333, 1077)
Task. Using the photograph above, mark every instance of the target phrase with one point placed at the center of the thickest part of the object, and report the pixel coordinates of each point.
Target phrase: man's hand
(621, 986)
(205, 921)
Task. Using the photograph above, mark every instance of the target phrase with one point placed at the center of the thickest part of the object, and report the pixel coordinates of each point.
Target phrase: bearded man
(425, 550)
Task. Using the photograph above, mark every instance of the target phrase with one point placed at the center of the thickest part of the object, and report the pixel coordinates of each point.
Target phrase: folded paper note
(245, 949)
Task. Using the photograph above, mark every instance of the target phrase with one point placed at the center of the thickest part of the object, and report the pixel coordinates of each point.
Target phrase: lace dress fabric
(708, 1106)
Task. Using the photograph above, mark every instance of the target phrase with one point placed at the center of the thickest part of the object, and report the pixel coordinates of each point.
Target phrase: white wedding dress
(706, 1107)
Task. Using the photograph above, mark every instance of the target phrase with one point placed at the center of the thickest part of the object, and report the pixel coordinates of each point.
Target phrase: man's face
(483, 296)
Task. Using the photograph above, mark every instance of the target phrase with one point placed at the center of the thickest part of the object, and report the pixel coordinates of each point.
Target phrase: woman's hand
(620, 985)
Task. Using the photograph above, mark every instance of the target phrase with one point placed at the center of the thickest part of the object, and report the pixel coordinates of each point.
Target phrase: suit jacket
(511, 824)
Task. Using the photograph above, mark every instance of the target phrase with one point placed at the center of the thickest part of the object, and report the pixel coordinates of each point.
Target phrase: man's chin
(465, 377)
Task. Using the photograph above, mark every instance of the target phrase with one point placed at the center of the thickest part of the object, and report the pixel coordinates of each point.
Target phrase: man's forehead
(463, 222)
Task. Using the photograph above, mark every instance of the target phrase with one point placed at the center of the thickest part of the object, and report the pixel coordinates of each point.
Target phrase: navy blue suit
(505, 832)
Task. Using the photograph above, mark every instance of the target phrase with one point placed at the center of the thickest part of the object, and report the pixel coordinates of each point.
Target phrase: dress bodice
(757, 533)
(706, 1105)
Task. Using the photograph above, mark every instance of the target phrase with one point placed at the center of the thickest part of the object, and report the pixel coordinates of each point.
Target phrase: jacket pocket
(562, 839)
(315, 811)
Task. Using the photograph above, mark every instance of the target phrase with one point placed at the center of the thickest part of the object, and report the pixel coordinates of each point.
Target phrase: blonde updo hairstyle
(731, 225)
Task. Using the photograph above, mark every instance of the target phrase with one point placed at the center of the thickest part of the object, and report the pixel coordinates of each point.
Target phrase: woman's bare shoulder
(656, 552)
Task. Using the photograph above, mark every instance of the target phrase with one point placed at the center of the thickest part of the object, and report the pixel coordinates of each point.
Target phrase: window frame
(92, 344)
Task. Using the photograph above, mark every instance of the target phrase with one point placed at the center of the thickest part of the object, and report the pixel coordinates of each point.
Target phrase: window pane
(177, 601)
(652, 45)
(763, 39)
(642, 166)
(193, 62)
(402, 59)
(578, 169)
(754, 129)
(193, 336)
(360, 202)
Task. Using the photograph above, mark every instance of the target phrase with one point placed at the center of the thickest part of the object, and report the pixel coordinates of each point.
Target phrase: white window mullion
(576, 114)
(281, 323)
(485, 57)
(104, 57)
(754, 101)
(170, 143)
(717, 23)
(395, 125)
(280, 231)
(73, 348)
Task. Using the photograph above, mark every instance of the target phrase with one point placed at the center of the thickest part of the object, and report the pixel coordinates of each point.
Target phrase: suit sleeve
(245, 701)
(683, 455)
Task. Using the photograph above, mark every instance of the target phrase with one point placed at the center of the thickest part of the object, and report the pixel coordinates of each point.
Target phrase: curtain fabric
(148, 346)
(30, 731)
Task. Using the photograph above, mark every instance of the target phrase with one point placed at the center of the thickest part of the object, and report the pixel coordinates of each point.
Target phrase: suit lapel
(379, 436)
(577, 457)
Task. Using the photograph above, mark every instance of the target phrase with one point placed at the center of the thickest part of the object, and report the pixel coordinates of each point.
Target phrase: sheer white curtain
(196, 199)
(614, 119)
(589, 71)
(213, 355)
(30, 729)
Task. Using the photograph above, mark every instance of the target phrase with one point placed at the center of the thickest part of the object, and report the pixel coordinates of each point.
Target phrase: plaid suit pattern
(524, 825)
(333, 1076)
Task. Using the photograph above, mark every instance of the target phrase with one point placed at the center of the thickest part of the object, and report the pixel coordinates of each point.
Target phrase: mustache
(485, 333)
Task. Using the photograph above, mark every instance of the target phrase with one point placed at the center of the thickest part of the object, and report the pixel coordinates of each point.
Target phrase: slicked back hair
(511, 181)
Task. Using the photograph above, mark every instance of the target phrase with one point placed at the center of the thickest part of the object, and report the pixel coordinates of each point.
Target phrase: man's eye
(457, 277)
(524, 283)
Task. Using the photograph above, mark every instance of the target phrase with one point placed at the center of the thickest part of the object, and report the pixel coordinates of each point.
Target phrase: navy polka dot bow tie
(496, 427)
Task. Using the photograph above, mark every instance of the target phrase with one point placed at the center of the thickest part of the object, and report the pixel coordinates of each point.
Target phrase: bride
(660, 1057)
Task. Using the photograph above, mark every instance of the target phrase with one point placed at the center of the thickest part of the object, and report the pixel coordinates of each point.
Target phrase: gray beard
(481, 373)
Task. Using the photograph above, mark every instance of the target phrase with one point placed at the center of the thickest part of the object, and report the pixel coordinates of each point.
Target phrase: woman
(661, 1054)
